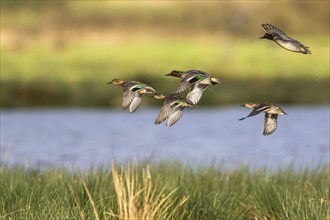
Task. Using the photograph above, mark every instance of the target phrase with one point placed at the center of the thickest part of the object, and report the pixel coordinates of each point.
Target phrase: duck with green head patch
(194, 80)
(172, 108)
(278, 36)
(133, 92)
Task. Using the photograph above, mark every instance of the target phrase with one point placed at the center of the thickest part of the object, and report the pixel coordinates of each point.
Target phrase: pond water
(80, 138)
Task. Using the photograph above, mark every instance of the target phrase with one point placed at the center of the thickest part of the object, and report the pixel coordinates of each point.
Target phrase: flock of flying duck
(196, 81)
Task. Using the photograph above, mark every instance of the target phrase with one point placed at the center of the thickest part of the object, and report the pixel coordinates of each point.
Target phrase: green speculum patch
(179, 102)
(200, 77)
(197, 78)
(137, 87)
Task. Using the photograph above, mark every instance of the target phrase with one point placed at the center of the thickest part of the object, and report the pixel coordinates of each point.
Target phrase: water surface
(78, 138)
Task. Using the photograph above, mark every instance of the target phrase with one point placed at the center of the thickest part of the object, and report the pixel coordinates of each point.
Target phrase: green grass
(63, 53)
(155, 57)
(43, 75)
(213, 193)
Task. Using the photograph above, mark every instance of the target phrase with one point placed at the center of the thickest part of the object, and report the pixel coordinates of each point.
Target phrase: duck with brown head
(271, 113)
(195, 81)
(172, 108)
(132, 93)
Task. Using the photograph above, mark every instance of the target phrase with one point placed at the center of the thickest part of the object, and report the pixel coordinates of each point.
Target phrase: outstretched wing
(271, 29)
(190, 79)
(135, 103)
(128, 97)
(196, 93)
(183, 86)
(270, 123)
(164, 113)
(257, 110)
(174, 117)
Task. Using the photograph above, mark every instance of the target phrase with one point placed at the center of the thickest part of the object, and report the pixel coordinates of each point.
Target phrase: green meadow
(167, 190)
(42, 75)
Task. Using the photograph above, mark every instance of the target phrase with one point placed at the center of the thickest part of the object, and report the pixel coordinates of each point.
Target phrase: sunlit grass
(63, 54)
(236, 58)
(42, 73)
(140, 199)
(240, 193)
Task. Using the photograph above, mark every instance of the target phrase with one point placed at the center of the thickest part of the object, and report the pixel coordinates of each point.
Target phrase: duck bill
(111, 82)
(188, 105)
(175, 73)
(249, 105)
(215, 81)
(158, 96)
(142, 91)
(148, 91)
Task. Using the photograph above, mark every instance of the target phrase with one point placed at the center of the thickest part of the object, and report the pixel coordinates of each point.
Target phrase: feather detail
(270, 123)
(135, 103)
(196, 93)
(174, 117)
(183, 86)
(271, 29)
(163, 114)
(128, 97)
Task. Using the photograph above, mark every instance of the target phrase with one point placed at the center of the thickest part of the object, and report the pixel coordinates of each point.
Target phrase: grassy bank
(168, 190)
(44, 93)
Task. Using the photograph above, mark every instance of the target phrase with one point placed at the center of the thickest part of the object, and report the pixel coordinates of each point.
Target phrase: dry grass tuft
(140, 199)
(91, 201)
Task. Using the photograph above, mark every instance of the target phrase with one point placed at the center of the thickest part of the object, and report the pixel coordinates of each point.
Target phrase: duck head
(280, 111)
(214, 81)
(158, 96)
(249, 105)
(147, 90)
(175, 73)
(267, 36)
(150, 90)
(117, 82)
(188, 103)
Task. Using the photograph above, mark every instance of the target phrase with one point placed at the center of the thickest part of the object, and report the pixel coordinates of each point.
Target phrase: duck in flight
(172, 108)
(278, 36)
(195, 81)
(271, 113)
(132, 93)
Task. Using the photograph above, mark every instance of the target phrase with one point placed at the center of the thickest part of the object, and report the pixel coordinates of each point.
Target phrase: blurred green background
(62, 53)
